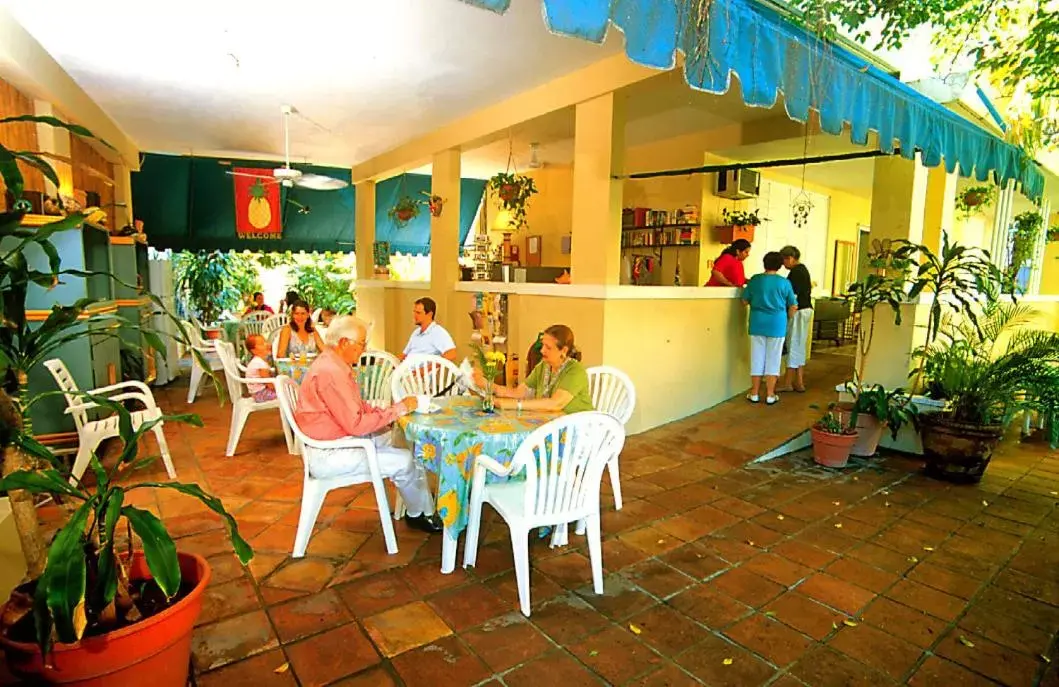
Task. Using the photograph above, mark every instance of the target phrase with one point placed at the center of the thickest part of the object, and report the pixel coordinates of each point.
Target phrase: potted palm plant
(987, 372)
(833, 439)
(103, 609)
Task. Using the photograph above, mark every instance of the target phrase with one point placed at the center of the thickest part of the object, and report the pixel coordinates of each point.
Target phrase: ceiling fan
(289, 177)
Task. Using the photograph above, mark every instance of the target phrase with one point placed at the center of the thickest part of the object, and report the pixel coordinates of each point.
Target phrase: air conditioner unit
(738, 184)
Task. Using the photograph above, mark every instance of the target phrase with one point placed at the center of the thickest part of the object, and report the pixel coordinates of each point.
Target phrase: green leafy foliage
(893, 408)
(994, 368)
(1012, 44)
(326, 282)
(84, 577)
(1028, 228)
(212, 282)
(832, 424)
(974, 199)
(741, 218)
(405, 210)
(513, 191)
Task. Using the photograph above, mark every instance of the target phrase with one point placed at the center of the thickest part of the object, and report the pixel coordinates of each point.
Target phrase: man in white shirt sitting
(429, 337)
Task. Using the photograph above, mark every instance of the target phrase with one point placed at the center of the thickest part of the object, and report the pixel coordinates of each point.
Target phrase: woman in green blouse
(558, 383)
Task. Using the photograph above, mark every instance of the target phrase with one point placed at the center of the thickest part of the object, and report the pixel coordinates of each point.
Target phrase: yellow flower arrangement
(490, 363)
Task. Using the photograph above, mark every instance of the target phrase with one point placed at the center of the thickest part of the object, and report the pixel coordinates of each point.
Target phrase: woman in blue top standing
(772, 301)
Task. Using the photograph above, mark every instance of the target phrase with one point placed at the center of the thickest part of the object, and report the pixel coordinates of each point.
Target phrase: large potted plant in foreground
(103, 610)
(987, 372)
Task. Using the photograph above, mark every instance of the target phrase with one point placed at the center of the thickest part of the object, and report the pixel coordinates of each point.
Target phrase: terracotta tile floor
(718, 571)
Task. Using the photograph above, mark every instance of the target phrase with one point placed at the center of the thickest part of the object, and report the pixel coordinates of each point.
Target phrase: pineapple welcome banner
(257, 204)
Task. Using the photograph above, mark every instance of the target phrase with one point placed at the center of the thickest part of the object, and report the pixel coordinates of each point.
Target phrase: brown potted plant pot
(869, 431)
(958, 451)
(730, 233)
(831, 447)
(153, 651)
(973, 199)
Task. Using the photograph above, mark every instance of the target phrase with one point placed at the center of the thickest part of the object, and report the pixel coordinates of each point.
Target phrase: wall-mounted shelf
(663, 245)
(661, 226)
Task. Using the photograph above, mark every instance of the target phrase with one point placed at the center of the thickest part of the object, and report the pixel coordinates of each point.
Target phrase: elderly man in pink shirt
(330, 407)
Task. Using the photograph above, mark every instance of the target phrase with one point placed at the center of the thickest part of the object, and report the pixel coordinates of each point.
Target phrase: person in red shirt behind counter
(728, 267)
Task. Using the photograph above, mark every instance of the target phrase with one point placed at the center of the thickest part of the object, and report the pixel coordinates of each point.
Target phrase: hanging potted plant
(738, 225)
(832, 440)
(514, 191)
(974, 199)
(404, 211)
(1028, 226)
(101, 611)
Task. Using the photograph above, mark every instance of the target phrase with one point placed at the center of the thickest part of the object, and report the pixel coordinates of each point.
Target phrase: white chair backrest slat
(251, 323)
(271, 326)
(376, 374)
(226, 352)
(612, 392)
(424, 374)
(70, 390)
(563, 462)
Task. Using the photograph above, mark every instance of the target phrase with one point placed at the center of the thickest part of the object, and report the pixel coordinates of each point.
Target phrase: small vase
(488, 406)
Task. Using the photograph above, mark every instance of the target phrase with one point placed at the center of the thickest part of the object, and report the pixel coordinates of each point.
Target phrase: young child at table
(258, 366)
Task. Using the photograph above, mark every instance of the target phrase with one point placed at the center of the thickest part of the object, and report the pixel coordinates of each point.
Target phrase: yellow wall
(694, 355)
(548, 214)
(1050, 270)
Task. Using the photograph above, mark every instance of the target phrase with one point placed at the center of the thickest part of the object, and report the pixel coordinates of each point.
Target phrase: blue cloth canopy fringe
(773, 56)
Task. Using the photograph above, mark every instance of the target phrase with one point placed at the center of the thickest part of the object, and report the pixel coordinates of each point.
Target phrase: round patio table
(447, 442)
(295, 368)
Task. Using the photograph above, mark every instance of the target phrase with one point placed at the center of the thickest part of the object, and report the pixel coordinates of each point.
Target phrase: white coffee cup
(423, 403)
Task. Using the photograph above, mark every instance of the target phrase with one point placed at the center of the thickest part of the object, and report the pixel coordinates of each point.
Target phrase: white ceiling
(209, 77)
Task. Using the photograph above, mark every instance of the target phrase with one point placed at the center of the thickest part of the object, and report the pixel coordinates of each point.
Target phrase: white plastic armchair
(271, 327)
(425, 374)
(563, 463)
(90, 433)
(251, 323)
(243, 405)
(376, 370)
(612, 393)
(198, 372)
(314, 489)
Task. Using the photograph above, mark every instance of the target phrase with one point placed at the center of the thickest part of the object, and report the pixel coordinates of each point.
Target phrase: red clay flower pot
(832, 450)
(869, 430)
(153, 652)
(403, 215)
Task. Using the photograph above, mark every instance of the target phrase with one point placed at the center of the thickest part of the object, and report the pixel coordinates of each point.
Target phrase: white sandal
(753, 398)
(772, 400)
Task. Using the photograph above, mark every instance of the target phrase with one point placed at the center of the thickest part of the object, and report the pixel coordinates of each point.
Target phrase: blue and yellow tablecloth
(293, 368)
(448, 441)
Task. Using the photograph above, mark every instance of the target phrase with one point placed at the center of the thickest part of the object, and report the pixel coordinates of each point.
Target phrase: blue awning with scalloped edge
(771, 56)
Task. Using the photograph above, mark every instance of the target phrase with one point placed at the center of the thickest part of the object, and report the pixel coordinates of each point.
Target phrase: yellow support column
(364, 229)
(371, 302)
(940, 207)
(445, 237)
(599, 147)
(898, 207)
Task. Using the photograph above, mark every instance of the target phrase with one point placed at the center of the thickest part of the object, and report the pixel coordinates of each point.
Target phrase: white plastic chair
(91, 432)
(314, 490)
(243, 405)
(376, 374)
(612, 393)
(271, 326)
(563, 463)
(251, 323)
(424, 374)
(198, 372)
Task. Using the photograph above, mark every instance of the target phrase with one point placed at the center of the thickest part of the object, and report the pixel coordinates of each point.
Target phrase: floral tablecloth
(295, 369)
(448, 441)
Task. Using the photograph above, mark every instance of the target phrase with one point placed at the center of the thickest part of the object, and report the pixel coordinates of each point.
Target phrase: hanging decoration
(513, 190)
(406, 208)
(801, 206)
(974, 199)
(435, 203)
(257, 205)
